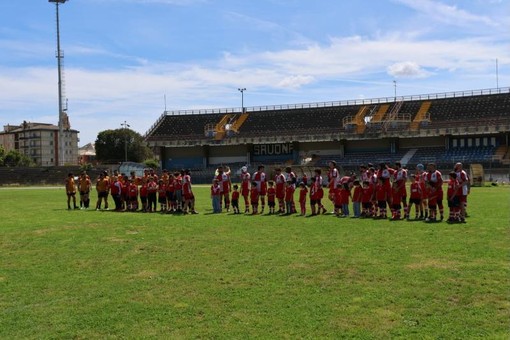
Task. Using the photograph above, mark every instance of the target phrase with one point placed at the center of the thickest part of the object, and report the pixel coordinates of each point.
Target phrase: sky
(128, 60)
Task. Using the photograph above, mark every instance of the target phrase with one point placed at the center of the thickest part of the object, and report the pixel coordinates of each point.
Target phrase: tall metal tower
(62, 116)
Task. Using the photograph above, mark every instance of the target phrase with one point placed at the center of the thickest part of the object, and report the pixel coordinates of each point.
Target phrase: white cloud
(295, 81)
(407, 69)
(444, 13)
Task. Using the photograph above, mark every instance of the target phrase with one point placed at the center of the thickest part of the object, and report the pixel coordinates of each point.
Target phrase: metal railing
(382, 100)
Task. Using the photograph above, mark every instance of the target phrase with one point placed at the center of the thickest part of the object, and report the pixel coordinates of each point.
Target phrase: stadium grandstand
(468, 126)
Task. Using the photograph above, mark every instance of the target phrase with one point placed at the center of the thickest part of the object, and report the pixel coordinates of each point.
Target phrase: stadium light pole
(125, 125)
(395, 89)
(61, 118)
(242, 98)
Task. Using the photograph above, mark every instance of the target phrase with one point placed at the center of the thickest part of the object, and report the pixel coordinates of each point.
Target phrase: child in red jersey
(396, 202)
(152, 189)
(345, 194)
(415, 198)
(216, 196)
(133, 196)
(170, 194)
(289, 196)
(144, 194)
(271, 197)
(303, 191)
(357, 198)
(235, 199)
(254, 198)
(432, 199)
(453, 198)
(381, 194)
(366, 199)
(336, 196)
(162, 196)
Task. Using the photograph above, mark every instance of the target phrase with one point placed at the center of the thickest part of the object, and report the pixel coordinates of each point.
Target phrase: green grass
(92, 274)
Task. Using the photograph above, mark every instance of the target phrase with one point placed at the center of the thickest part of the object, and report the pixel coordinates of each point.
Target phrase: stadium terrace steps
(236, 126)
(379, 115)
(360, 119)
(422, 115)
(407, 157)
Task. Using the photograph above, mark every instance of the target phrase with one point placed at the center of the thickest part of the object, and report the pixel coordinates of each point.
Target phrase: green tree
(111, 146)
(2, 155)
(14, 158)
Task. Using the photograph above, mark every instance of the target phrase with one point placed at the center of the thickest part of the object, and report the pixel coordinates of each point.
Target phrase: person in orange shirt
(70, 191)
(102, 187)
(84, 186)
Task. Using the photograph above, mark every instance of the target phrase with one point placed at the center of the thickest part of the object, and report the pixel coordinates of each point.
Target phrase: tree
(15, 158)
(2, 155)
(111, 146)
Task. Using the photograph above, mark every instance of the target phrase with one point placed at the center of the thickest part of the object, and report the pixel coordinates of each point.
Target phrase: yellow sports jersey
(84, 184)
(102, 184)
(70, 185)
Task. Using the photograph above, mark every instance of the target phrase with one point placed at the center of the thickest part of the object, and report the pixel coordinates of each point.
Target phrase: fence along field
(94, 274)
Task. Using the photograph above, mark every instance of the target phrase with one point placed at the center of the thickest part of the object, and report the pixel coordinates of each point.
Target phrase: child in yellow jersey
(84, 186)
(70, 191)
(102, 187)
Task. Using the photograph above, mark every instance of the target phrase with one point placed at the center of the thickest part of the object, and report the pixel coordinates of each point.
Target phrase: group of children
(171, 191)
(371, 192)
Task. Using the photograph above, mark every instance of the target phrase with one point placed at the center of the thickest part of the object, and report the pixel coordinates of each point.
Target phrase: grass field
(95, 274)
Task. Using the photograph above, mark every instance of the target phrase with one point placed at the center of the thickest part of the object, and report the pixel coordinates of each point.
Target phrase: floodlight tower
(61, 114)
(125, 126)
(242, 98)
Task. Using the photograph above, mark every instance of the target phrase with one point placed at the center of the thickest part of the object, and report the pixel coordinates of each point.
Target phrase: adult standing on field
(435, 180)
(333, 180)
(259, 178)
(245, 188)
(70, 191)
(463, 180)
(84, 186)
(290, 176)
(187, 193)
(279, 180)
(223, 177)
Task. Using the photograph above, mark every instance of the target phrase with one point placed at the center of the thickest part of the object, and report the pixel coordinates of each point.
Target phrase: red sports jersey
(381, 192)
(235, 195)
(162, 191)
(133, 190)
(215, 190)
(302, 194)
(271, 194)
(245, 183)
(279, 181)
(254, 195)
(368, 192)
(358, 194)
(416, 191)
(289, 193)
